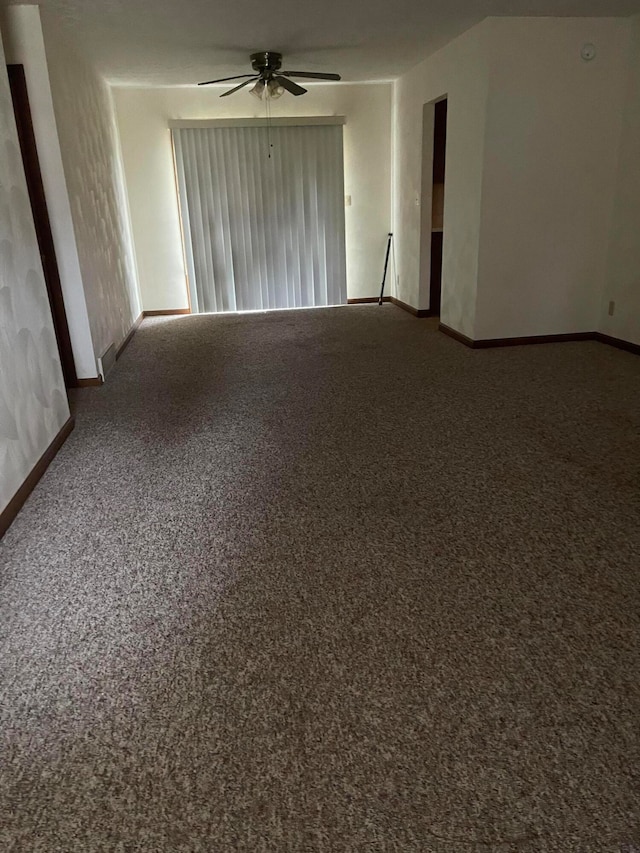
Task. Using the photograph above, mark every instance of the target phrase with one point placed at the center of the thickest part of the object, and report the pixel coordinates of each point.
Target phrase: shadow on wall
(93, 168)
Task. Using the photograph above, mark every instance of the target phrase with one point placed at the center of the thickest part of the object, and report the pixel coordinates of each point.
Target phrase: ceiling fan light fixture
(274, 90)
(258, 89)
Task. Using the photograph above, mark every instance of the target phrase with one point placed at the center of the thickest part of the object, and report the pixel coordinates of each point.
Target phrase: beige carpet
(329, 581)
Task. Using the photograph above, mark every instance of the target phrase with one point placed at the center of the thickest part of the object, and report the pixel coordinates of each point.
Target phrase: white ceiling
(179, 42)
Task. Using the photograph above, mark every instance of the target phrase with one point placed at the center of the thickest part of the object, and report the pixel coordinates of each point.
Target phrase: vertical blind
(262, 231)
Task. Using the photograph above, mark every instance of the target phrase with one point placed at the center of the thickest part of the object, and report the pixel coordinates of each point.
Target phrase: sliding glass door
(262, 215)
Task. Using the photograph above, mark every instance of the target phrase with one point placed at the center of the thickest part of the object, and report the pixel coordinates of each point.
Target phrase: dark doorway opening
(437, 205)
(26, 137)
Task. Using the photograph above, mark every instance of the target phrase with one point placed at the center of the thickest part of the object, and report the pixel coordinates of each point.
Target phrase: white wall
(459, 71)
(143, 116)
(92, 163)
(24, 45)
(33, 403)
(623, 269)
(553, 121)
(531, 158)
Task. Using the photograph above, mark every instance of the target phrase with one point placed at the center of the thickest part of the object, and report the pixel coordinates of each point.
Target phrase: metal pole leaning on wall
(386, 264)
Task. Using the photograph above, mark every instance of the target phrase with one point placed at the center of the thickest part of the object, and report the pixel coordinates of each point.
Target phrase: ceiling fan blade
(225, 79)
(311, 75)
(241, 86)
(289, 85)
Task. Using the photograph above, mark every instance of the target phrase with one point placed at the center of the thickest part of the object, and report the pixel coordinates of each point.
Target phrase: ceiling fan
(270, 81)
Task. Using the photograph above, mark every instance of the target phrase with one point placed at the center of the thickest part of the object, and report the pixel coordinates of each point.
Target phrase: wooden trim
(457, 336)
(487, 343)
(127, 340)
(490, 343)
(92, 382)
(169, 312)
(417, 312)
(14, 506)
(367, 300)
(38, 201)
(617, 342)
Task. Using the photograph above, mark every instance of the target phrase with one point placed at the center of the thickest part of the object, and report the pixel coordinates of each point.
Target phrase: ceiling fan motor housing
(266, 62)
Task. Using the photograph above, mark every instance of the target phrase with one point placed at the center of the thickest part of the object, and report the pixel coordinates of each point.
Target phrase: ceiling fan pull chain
(269, 143)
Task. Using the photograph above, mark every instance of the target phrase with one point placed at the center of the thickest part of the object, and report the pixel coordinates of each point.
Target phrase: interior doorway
(437, 205)
(434, 147)
(29, 151)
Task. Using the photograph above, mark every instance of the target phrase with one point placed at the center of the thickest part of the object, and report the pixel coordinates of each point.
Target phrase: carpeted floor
(330, 581)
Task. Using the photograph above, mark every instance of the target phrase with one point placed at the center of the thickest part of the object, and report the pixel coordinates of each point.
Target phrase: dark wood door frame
(437, 237)
(26, 137)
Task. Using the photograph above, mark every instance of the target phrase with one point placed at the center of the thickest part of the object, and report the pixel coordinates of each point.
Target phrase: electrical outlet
(612, 308)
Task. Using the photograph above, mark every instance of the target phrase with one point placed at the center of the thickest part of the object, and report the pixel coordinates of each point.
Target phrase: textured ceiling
(178, 42)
